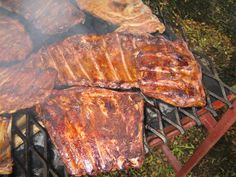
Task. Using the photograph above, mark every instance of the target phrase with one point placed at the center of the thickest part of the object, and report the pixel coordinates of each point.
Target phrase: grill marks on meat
(95, 130)
(168, 71)
(22, 88)
(15, 43)
(160, 68)
(105, 61)
(5, 149)
(48, 16)
(132, 16)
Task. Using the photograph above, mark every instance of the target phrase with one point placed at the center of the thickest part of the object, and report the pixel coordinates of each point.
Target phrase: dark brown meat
(162, 69)
(15, 43)
(5, 148)
(22, 88)
(95, 130)
(48, 16)
(132, 16)
(105, 61)
(168, 71)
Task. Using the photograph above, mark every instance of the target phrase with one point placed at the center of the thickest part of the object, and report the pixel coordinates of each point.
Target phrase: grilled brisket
(15, 43)
(132, 16)
(95, 130)
(48, 16)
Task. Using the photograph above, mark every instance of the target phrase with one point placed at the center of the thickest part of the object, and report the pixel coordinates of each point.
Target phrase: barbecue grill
(34, 154)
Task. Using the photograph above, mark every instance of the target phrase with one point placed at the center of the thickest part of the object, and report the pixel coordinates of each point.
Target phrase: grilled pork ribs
(5, 148)
(22, 87)
(161, 68)
(95, 130)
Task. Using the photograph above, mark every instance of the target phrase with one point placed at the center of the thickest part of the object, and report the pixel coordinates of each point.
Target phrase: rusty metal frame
(157, 134)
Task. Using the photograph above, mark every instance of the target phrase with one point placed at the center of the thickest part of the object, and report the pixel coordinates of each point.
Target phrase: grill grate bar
(158, 134)
(158, 115)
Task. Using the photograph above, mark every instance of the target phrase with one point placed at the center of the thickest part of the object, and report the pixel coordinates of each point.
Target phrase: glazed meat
(48, 16)
(95, 130)
(22, 88)
(15, 43)
(160, 68)
(105, 61)
(132, 16)
(5, 148)
(168, 71)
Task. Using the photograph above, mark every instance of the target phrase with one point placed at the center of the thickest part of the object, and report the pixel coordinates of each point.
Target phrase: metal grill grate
(36, 155)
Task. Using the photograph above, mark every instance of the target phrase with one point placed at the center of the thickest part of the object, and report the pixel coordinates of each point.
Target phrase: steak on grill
(95, 130)
(15, 43)
(162, 69)
(132, 16)
(48, 16)
(5, 148)
(22, 88)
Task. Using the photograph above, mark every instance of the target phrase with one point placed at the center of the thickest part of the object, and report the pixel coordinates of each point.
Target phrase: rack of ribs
(48, 16)
(22, 87)
(95, 130)
(5, 148)
(160, 68)
(15, 43)
(105, 61)
(169, 71)
(131, 16)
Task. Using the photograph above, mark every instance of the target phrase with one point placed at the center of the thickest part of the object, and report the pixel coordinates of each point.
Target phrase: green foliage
(211, 29)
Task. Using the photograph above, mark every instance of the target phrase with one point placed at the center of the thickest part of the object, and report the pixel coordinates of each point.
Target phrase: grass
(219, 162)
(210, 27)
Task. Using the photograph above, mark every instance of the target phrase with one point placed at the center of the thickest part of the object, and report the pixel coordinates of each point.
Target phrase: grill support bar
(171, 158)
(227, 120)
(215, 131)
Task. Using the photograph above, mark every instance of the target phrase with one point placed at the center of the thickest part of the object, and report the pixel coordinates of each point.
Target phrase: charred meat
(105, 61)
(169, 71)
(95, 130)
(161, 68)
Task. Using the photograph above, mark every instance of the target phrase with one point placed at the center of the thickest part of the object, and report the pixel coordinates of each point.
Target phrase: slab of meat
(105, 61)
(15, 43)
(168, 71)
(162, 69)
(132, 16)
(48, 16)
(22, 88)
(95, 130)
(5, 148)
